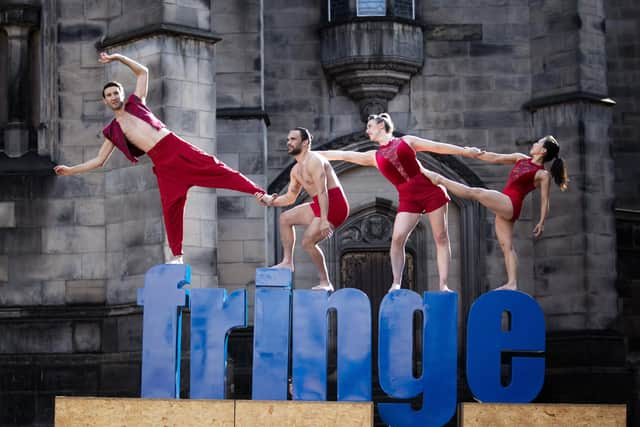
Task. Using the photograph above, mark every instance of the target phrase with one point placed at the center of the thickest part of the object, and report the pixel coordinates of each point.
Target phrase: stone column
(575, 260)
(18, 23)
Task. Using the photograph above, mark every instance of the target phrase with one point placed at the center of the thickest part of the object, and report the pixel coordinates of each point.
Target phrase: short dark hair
(305, 135)
(112, 83)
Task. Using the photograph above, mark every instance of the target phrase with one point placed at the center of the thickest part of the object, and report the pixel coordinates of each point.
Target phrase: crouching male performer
(328, 210)
(178, 165)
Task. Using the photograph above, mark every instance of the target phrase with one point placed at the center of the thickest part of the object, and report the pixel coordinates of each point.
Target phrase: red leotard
(521, 182)
(338, 207)
(398, 163)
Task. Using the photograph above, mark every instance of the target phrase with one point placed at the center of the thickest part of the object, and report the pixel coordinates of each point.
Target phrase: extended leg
(403, 225)
(439, 229)
(496, 201)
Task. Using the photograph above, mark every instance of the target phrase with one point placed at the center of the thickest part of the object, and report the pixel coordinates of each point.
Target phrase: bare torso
(301, 173)
(140, 133)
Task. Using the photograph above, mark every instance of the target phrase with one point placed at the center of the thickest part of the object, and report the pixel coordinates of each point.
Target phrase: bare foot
(445, 288)
(284, 264)
(394, 287)
(326, 287)
(509, 286)
(175, 260)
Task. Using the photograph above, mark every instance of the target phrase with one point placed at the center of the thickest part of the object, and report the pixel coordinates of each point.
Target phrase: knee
(507, 247)
(397, 241)
(308, 244)
(284, 220)
(441, 238)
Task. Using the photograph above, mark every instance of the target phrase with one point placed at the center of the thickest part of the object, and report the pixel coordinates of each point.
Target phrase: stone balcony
(372, 58)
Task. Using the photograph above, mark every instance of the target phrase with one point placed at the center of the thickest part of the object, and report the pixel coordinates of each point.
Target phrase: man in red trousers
(177, 164)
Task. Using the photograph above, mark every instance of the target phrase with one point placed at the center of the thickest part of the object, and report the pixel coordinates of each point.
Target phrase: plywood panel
(105, 412)
(556, 415)
(263, 413)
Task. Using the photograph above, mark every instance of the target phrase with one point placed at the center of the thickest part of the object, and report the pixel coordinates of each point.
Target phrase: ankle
(177, 259)
(395, 287)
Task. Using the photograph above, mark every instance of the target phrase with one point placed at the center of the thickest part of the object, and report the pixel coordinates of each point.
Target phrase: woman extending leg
(494, 200)
(498, 203)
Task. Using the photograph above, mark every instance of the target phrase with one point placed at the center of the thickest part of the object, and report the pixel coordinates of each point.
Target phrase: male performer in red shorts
(328, 210)
(178, 165)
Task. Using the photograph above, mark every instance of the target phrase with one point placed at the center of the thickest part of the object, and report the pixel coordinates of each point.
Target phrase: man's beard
(295, 151)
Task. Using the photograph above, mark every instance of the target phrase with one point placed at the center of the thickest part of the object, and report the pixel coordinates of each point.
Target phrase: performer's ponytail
(558, 168)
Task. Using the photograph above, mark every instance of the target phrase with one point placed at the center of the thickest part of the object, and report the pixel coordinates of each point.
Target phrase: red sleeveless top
(397, 161)
(520, 183)
(113, 131)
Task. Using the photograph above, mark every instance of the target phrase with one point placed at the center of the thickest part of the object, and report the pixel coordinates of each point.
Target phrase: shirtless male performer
(328, 210)
(178, 165)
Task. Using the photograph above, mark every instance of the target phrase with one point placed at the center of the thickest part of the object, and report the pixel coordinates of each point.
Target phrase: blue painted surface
(354, 344)
(271, 333)
(486, 342)
(161, 297)
(438, 382)
(213, 315)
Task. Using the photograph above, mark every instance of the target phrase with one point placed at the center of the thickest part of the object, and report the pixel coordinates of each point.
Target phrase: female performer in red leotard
(396, 160)
(527, 174)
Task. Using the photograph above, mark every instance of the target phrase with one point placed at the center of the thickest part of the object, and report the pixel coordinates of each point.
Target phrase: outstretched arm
(501, 158)
(96, 162)
(543, 180)
(367, 158)
(292, 192)
(421, 144)
(141, 72)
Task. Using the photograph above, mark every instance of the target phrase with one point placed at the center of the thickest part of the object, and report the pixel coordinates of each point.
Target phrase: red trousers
(179, 166)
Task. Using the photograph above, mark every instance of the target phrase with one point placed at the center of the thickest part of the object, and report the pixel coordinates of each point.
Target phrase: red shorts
(419, 195)
(338, 207)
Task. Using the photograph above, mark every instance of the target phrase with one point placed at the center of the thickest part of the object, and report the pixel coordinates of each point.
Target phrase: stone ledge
(243, 113)
(156, 30)
(565, 98)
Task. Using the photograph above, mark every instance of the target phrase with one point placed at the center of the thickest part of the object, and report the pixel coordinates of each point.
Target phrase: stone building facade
(233, 77)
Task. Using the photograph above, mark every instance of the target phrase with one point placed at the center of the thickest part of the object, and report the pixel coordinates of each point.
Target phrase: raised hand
(105, 58)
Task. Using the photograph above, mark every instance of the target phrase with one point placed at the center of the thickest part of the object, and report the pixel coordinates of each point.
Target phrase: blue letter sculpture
(271, 331)
(213, 315)
(298, 319)
(486, 341)
(162, 297)
(439, 357)
(309, 358)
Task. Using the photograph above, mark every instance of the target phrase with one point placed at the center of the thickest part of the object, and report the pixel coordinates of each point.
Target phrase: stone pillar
(575, 260)
(18, 23)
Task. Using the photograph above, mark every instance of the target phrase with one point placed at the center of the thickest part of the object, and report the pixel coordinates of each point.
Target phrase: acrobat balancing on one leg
(528, 174)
